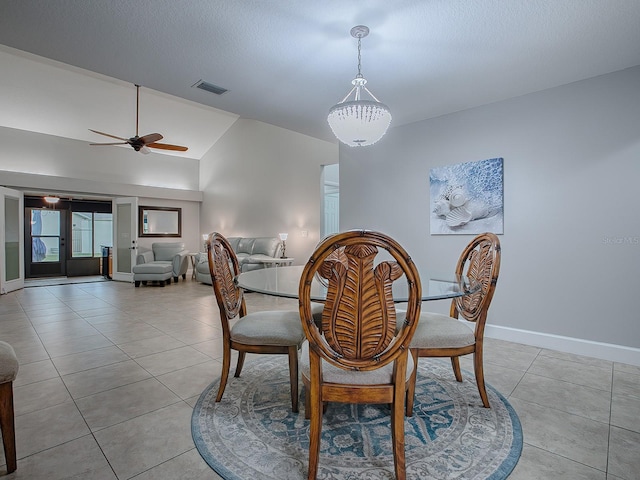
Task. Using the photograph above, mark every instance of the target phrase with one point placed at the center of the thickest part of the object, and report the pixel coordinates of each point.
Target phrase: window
(89, 232)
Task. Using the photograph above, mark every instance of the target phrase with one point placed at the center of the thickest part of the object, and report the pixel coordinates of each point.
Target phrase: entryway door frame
(11, 240)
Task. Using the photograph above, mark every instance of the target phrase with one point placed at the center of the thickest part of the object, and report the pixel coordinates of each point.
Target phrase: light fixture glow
(359, 122)
(49, 199)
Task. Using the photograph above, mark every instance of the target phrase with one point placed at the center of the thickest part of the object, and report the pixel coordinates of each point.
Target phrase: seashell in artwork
(441, 207)
(477, 209)
(457, 217)
(457, 197)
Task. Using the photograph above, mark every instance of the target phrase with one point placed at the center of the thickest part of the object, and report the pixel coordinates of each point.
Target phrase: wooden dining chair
(267, 332)
(440, 335)
(358, 354)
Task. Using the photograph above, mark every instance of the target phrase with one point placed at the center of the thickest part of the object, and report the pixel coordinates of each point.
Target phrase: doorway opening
(66, 239)
(330, 214)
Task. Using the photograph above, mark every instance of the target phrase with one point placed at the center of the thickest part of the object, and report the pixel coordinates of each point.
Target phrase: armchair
(172, 253)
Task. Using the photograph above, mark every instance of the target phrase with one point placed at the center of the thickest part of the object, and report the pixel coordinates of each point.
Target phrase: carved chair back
(224, 267)
(358, 329)
(480, 261)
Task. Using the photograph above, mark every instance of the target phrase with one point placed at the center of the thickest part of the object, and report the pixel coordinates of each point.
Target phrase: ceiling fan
(144, 143)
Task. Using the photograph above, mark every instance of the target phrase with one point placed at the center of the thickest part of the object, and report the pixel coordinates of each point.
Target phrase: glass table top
(284, 282)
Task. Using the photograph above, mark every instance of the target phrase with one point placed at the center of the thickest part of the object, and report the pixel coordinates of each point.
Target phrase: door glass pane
(81, 234)
(45, 235)
(102, 232)
(11, 238)
(124, 238)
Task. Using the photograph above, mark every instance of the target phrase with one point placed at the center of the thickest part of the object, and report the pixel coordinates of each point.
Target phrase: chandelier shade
(359, 122)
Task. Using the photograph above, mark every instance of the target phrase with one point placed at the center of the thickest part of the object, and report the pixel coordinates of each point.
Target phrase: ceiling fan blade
(166, 146)
(114, 143)
(152, 137)
(108, 135)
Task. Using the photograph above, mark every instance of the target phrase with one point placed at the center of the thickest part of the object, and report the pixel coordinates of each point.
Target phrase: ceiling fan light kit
(359, 122)
(140, 144)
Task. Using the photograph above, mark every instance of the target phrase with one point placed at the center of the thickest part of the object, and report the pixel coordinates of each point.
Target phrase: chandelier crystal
(359, 122)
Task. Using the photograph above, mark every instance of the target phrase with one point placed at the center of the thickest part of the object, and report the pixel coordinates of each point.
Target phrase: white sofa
(251, 253)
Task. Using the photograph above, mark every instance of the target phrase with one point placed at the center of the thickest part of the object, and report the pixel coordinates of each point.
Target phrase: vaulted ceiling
(68, 66)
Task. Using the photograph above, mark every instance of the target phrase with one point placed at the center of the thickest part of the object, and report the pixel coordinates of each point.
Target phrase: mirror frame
(141, 213)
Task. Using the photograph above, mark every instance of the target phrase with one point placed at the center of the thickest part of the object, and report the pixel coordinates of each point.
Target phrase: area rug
(252, 434)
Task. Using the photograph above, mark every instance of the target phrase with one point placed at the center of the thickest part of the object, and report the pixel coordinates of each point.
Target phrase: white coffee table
(275, 262)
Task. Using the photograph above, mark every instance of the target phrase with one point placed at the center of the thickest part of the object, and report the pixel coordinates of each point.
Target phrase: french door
(125, 237)
(46, 237)
(11, 240)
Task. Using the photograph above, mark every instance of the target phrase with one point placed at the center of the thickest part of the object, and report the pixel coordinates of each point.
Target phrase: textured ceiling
(287, 62)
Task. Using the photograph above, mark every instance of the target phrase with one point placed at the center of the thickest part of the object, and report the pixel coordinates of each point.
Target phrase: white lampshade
(283, 236)
(359, 123)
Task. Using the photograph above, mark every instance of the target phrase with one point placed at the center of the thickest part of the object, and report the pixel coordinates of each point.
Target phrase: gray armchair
(172, 253)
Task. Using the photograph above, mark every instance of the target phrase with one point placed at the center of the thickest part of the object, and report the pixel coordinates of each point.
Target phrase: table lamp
(283, 237)
(204, 241)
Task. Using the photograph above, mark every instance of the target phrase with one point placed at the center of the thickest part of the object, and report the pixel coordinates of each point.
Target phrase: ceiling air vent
(210, 87)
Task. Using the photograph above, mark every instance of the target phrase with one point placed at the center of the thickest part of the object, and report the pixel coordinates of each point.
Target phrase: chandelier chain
(359, 59)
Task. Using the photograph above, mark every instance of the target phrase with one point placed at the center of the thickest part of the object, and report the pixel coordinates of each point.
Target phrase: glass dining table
(284, 282)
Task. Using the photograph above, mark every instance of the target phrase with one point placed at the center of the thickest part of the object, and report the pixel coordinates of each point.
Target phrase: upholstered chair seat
(333, 374)
(441, 331)
(268, 328)
(8, 373)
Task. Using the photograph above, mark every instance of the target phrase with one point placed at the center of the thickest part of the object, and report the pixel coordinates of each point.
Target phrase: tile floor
(109, 375)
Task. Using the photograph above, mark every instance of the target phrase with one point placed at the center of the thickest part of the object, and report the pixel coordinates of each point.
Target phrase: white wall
(259, 180)
(48, 164)
(571, 243)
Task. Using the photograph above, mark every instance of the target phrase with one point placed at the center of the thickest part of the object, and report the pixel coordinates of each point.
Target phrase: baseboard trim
(604, 351)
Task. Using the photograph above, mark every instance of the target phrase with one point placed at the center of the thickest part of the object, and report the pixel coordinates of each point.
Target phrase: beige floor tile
(581, 359)
(574, 437)
(172, 360)
(135, 446)
(35, 372)
(77, 459)
(592, 376)
(625, 412)
(199, 334)
(537, 464)
(626, 384)
(130, 333)
(79, 362)
(148, 346)
(90, 382)
(191, 381)
(624, 368)
(502, 379)
(124, 403)
(47, 428)
(69, 346)
(624, 454)
(509, 355)
(36, 396)
(188, 466)
(575, 399)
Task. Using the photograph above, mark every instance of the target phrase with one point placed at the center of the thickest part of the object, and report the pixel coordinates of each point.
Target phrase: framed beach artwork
(467, 198)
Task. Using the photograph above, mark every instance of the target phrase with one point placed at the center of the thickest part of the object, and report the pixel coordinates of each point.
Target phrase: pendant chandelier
(359, 122)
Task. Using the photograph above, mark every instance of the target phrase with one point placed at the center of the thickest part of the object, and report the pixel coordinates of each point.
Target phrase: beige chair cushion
(333, 374)
(8, 363)
(441, 331)
(269, 328)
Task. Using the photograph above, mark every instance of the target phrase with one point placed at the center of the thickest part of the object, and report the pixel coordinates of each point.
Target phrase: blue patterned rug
(253, 435)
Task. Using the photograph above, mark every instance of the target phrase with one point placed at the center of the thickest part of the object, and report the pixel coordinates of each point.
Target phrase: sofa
(163, 261)
(251, 253)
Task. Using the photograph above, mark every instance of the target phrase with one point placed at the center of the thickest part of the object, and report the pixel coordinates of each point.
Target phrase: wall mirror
(159, 222)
